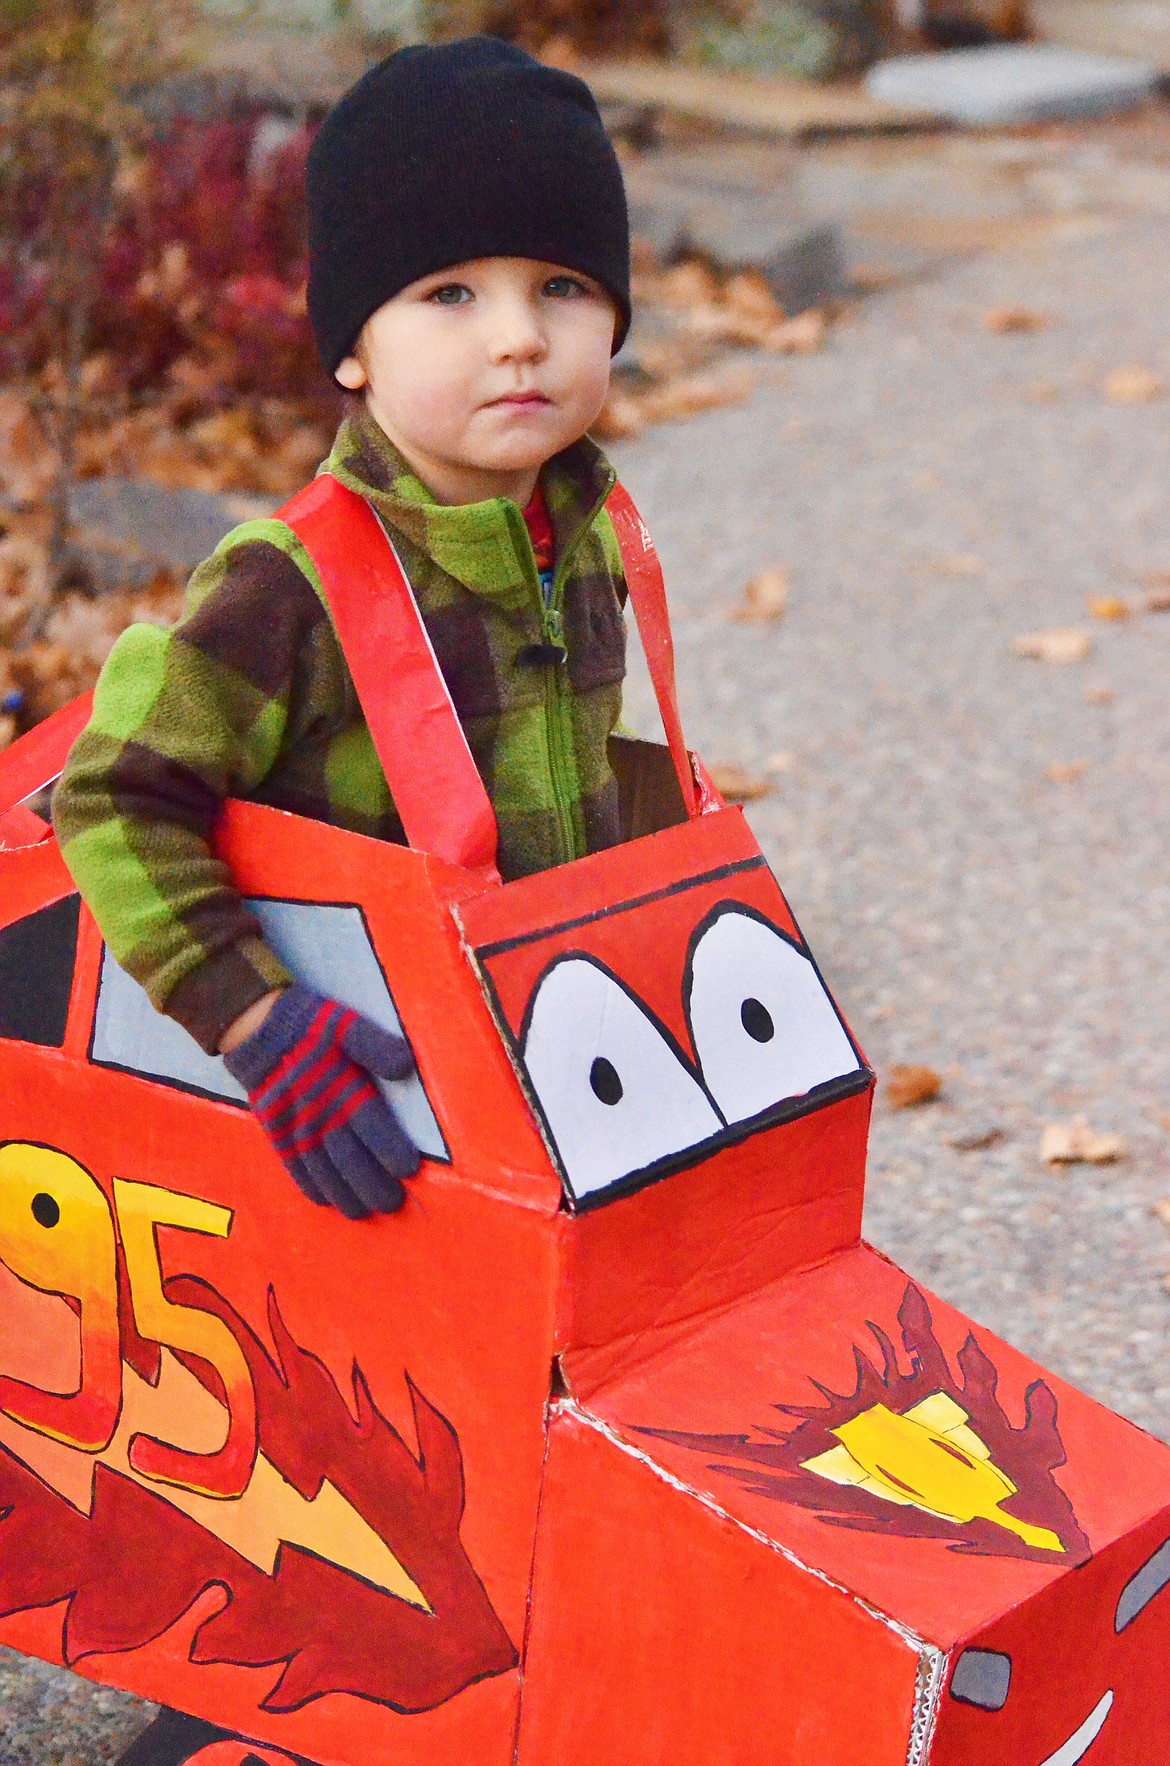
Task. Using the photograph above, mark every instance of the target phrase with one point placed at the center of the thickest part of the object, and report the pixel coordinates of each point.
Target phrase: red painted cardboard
(617, 1443)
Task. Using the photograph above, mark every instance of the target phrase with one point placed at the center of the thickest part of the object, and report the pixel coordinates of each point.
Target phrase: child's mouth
(520, 401)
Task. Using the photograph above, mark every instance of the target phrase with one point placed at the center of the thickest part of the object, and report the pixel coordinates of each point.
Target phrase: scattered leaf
(1041, 392)
(1066, 772)
(1005, 320)
(621, 417)
(692, 393)
(28, 465)
(1133, 386)
(797, 337)
(1161, 1211)
(1166, 1283)
(1058, 645)
(975, 1140)
(911, 1085)
(689, 284)
(561, 51)
(765, 598)
(736, 784)
(1158, 601)
(1109, 607)
(1075, 1143)
(780, 762)
(24, 582)
(1099, 694)
(749, 295)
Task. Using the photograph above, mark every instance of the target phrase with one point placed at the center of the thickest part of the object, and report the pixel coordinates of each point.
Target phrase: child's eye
(565, 287)
(451, 294)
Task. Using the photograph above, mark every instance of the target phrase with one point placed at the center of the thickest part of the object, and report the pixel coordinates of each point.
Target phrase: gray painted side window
(325, 946)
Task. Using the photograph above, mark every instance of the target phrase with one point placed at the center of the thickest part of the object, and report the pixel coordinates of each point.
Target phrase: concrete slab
(739, 206)
(1012, 83)
(792, 110)
(133, 526)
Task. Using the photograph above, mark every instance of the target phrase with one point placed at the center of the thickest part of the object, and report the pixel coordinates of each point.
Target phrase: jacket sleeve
(183, 719)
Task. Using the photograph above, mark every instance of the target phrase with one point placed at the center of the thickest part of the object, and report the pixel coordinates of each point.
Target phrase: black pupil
(45, 1210)
(606, 1083)
(757, 1020)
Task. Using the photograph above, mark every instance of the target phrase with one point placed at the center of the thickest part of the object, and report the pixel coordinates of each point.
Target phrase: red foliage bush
(205, 255)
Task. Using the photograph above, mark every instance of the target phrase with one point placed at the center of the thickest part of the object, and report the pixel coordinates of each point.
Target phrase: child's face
(480, 373)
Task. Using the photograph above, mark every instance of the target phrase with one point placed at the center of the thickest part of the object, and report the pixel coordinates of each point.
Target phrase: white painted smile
(1078, 1745)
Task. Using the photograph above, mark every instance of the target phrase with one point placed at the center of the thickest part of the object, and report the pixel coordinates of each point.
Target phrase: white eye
(763, 1026)
(615, 1095)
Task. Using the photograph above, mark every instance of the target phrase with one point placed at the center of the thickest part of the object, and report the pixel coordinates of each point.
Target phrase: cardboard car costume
(618, 1443)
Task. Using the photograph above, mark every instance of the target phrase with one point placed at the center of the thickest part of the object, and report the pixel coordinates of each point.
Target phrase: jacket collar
(481, 545)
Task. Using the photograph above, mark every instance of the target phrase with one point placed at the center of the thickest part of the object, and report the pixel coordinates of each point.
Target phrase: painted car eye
(614, 1093)
(982, 1677)
(1140, 1590)
(763, 1026)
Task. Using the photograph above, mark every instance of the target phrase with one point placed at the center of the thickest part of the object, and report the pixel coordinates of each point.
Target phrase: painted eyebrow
(982, 1677)
(1140, 1590)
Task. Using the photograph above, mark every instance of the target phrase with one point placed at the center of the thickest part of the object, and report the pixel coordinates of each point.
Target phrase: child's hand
(307, 1070)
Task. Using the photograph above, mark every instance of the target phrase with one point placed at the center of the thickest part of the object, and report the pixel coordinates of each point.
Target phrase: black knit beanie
(443, 154)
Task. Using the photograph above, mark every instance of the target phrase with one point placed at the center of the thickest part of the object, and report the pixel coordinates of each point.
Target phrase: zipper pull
(554, 628)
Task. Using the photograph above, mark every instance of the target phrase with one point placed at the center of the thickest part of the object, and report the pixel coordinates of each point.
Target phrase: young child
(469, 282)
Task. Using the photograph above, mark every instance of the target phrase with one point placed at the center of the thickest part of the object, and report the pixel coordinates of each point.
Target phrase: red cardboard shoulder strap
(443, 805)
(648, 596)
(37, 759)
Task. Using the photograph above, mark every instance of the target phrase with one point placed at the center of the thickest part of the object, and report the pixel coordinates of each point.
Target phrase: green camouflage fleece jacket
(250, 696)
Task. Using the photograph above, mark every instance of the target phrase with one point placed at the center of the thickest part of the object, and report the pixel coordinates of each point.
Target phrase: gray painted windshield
(325, 946)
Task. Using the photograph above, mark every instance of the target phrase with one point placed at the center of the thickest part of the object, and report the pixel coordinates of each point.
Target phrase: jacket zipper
(557, 711)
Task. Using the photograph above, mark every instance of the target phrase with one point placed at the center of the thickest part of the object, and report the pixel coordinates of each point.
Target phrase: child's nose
(518, 334)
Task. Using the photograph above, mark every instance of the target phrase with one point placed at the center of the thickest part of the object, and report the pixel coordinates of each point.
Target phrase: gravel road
(935, 491)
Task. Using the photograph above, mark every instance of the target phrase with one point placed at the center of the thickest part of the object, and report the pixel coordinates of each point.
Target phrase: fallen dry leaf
(765, 598)
(1108, 607)
(748, 293)
(910, 1085)
(620, 416)
(1058, 645)
(24, 582)
(797, 337)
(689, 284)
(1004, 320)
(780, 762)
(1166, 1283)
(1099, 695)
(692, 393)
(1161, 1211)
(1075, 1143)
(28, 465)
(1158, 601)
(736, 784)
(1066, 772)
(561, 51)
(975, 1140)
(1132, 386)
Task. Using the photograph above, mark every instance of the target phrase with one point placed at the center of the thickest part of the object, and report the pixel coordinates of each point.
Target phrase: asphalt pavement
(936, 490)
